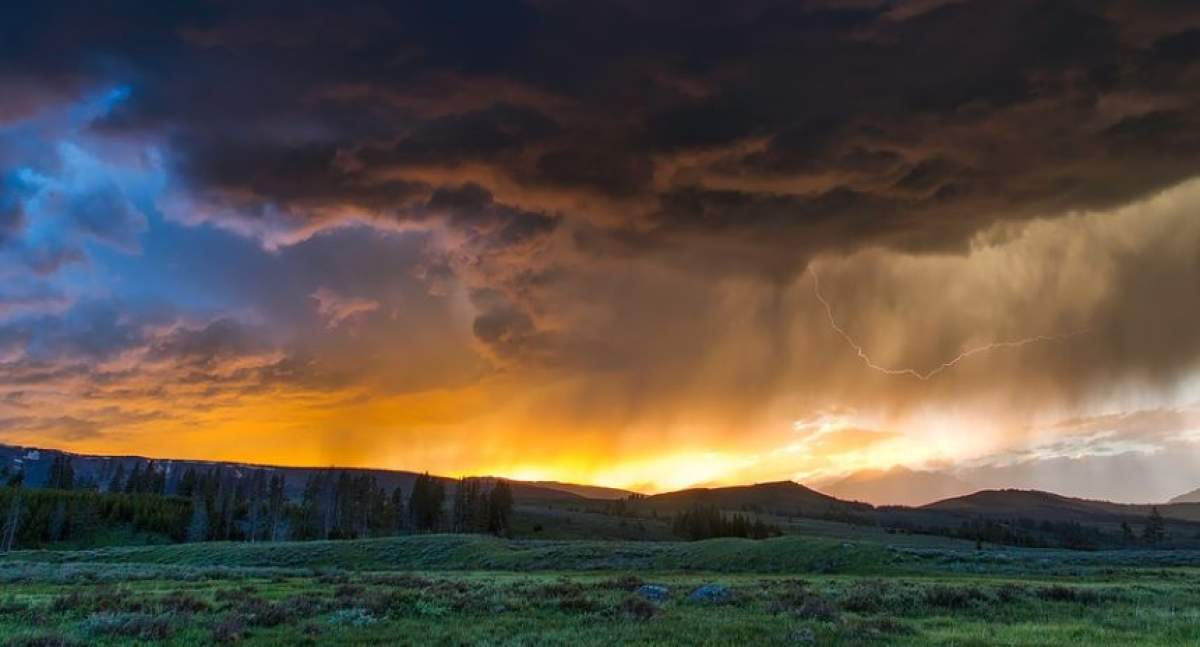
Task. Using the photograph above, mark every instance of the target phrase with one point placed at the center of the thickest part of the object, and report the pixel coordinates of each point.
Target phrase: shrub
(576, 602)
(99, 600)
(303, 606)
(234, 597)
(817, 608)
(261, 613)
(229, 629)
(41, 640)
(1060, 593)
(13, 606)
(637, 608)
(352, 618)
(1010, 592)
(142, 626)
(864, 597)
(401, 580)
(332, 577)
(624, 583)
(869, 629)
(348, 591)
(432, 608)
(179, 602)
(954, 597)
(558, 589)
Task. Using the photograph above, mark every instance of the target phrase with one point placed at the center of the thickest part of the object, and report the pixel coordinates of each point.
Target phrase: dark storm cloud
(588, 172)
(915, 123)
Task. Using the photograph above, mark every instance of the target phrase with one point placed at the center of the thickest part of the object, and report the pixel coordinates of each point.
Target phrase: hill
(1035, 504)
(589, 491)
(1187, 497)
(897, 486)
(784, 498)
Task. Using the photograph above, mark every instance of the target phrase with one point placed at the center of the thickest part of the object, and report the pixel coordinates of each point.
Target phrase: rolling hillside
(565, 510)
(785, 498)
(1187, 497)
(1035, 504)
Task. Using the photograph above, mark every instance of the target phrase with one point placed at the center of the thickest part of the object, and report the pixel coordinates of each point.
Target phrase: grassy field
(442, 589)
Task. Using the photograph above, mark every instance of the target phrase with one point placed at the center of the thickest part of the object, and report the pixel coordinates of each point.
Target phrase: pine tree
(198, 526)
(398, 515)
(62, 474)
(275, 502)
(187, 484)
(425, 502)
(117, 484)
(500, 504)
(134, 483)
(1155, 529)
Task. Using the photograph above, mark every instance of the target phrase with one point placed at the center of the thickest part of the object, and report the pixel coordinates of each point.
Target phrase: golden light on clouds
(473, 262)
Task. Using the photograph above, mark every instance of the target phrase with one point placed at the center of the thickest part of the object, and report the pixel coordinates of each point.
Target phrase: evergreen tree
(397, 506)
(62, 474)
(1127, 535)
(275, 503)
(1155, 529)
(198, 525)
(58, 521)
(500, 504)
(134, 484)
(187, 484)
(425, 502)
(117, 484)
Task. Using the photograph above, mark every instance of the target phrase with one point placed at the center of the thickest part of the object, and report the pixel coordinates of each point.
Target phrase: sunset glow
(236, 241)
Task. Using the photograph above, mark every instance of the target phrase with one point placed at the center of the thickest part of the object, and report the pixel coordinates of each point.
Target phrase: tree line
(707, 522)
(36, 517)
(227, 504)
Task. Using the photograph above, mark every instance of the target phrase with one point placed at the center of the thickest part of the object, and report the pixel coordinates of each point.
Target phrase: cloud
(608, 234)
(337, 309)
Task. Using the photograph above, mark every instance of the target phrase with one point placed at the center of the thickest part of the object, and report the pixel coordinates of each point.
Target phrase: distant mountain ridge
(785, 498)
(589, 491)
(1036, 504)
(782, 498)
(897, 486)
(1187, 497)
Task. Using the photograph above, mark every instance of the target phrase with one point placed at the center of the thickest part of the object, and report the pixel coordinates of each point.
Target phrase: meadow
(456, 589)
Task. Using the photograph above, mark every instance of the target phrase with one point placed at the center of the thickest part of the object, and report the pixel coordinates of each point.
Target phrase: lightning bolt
(975, 350)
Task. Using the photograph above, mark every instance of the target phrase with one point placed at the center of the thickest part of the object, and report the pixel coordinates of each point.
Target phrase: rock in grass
(712, 594)
(652, 592)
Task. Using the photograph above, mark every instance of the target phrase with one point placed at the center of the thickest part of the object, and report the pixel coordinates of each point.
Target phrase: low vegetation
(154, 604)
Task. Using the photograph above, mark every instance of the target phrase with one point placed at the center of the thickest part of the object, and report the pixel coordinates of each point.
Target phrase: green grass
(455, 589)
(789, 554)
(599, 609)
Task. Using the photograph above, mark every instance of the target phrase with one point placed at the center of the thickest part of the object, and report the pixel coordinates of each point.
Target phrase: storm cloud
(598, 223)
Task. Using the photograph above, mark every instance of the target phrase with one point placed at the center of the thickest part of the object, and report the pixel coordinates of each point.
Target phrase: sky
(638, 244)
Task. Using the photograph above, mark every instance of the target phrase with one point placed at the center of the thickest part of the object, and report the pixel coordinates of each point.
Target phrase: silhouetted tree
(62, 474)
(197, 529)
(1127, 535)
(1155, 528)
(425, 502)
(500, 505)
(117, 484)
(397, 506)
(187, 484)
(275, 505)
